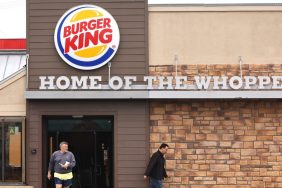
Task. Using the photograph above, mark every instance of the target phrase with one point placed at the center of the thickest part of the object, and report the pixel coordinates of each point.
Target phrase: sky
(13, 13)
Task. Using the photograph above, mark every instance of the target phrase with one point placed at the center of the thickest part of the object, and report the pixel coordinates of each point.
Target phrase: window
(10, 64)
(11, 150)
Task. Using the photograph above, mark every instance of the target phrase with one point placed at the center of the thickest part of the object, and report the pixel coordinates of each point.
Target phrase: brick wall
(217, 143)
(220, 143)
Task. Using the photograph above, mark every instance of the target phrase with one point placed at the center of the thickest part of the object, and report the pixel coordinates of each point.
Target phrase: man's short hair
(63, 142)
(163, 145)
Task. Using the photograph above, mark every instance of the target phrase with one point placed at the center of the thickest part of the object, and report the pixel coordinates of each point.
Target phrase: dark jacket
(156, 167)
(58, 158)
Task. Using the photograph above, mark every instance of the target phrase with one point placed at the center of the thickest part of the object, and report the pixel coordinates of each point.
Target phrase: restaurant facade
(12, 109)
(225, 133)
(115, 79)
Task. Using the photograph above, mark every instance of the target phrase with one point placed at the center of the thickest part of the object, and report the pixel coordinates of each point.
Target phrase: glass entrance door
(90, 140)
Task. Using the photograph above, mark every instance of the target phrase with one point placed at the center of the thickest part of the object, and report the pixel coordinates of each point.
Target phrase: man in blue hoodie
(62, 163)
(156, 168)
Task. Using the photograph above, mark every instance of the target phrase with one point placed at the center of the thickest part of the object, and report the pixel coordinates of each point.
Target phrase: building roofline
(12, 44)
(213, 8)
(12, 52)
(211, 5)
(12, 78)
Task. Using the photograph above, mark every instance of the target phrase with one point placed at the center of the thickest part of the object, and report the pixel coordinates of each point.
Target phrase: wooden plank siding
(131, 119)
(130, 59)
(130, 136)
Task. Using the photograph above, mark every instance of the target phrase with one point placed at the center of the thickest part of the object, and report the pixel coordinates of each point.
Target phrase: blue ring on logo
(102, 59)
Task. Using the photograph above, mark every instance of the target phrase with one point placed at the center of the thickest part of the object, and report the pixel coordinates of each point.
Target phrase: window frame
(23, 149)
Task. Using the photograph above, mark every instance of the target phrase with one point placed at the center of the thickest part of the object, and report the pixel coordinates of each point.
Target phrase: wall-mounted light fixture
(240, 62)
(176, 64)
(77, 116)
(109, 65)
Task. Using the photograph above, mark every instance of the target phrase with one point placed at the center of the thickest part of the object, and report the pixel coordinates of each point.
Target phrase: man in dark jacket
(156, 168)
(62, 162)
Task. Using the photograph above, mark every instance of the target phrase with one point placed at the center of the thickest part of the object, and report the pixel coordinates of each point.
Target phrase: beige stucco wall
(215, 35)
(12, 100)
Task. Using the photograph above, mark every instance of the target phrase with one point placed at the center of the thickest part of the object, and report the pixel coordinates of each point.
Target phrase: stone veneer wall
(219, 143)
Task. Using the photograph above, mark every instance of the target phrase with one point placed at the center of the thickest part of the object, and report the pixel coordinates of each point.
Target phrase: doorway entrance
(91, 141)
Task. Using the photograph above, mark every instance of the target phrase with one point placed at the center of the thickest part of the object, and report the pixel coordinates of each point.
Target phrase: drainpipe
(26, 84)
(109, 65)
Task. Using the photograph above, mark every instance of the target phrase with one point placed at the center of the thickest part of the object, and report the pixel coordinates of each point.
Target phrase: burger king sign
(87, 37)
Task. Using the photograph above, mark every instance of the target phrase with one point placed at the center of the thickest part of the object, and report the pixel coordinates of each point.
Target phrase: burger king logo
(87, 37)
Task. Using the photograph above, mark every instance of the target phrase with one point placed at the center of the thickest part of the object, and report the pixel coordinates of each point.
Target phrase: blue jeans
(156, 183)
